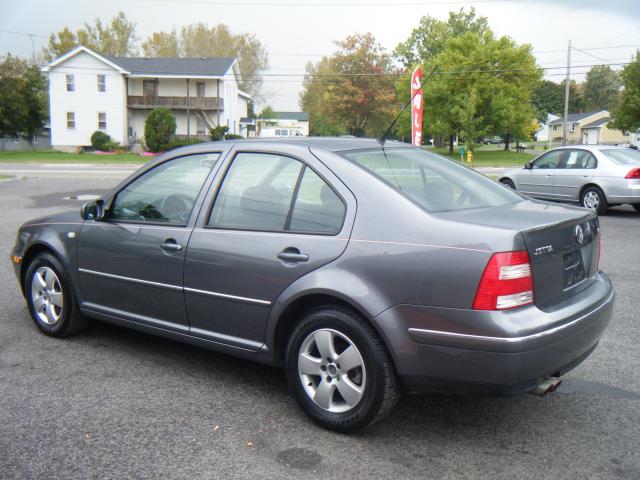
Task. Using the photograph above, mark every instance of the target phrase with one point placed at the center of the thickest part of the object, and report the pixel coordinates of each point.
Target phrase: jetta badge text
(579, 234)
(543, 250)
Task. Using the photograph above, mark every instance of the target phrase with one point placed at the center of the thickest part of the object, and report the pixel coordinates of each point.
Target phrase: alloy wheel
(331, 370)
(591, 200)
(46, 295)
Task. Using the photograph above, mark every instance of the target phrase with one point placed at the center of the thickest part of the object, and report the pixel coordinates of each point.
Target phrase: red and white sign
(416, 107)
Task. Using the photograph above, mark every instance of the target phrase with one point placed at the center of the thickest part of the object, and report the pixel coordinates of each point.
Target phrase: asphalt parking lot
(113, 403)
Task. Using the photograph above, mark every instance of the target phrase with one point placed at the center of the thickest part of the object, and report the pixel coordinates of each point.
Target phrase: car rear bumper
(620, 190)
(508, 352)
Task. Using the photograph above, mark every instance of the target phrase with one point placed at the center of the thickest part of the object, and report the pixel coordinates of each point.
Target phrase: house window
(555, 128)
(102, 121)
(71, 120)
(278, 132)
(71, 85)
(573, 127)
(285, 133)
(102, 83)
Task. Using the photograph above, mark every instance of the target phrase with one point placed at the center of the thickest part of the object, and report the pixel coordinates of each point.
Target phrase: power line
(231, 3)
(26, 34)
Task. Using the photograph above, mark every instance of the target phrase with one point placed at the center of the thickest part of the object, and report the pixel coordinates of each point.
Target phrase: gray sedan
(363, 269)
(595, 176)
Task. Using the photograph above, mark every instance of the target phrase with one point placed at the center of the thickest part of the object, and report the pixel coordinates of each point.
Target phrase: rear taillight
(506, 282)
(633, 174)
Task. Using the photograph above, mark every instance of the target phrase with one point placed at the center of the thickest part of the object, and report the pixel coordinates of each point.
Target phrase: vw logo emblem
(579, 234)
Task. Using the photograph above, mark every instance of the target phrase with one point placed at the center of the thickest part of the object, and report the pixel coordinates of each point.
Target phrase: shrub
(183, 143)
(101, 141)
(159, 129)
(232, 136)
(218, 132)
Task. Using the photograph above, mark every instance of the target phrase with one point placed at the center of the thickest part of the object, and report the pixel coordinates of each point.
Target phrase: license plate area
(574, 271)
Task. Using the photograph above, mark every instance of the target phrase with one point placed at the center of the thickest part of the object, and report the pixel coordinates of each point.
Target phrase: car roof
(333, 144)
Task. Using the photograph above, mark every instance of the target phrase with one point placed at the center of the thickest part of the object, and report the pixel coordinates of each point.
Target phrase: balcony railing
(177, 103)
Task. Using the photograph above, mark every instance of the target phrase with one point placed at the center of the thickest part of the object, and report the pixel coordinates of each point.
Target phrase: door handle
(170, 245)
(292, 254)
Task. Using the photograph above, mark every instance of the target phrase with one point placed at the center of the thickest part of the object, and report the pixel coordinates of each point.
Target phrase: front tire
(51, 299)
(593, 198)
(339, 370)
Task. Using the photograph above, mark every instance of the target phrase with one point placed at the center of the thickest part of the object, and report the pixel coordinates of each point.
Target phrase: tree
(601, 88)
(159, 129)
(117, 38)
(162, 44)
(353, 90)
(312, 100)
(483, 87)
(548, 97)
(627, 114)
(430, 37)
(200, 40)
(22, 98)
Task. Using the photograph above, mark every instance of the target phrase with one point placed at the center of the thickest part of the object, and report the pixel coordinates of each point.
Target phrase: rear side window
(433, 182)
(268, 192)
(622, 156)
(577, 159)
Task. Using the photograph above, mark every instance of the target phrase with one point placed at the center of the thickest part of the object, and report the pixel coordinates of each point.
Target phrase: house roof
(174, 66)
(574, 117)
(597, 123)
(300, 116)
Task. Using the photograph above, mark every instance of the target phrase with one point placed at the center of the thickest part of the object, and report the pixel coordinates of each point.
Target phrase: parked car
(362, 269)
(594, 176)
(492, 140)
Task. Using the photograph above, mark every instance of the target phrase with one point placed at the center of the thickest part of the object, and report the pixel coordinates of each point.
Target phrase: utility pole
(33, 49)
(566, 97)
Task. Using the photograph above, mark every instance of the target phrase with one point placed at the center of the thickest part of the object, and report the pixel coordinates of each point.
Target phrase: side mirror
(93, 210)
(528, 166)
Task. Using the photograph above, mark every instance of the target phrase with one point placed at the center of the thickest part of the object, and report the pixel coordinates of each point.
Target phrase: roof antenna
(383, 138)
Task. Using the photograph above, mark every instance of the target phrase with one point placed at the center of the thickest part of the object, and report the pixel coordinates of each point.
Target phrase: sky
(298, 31)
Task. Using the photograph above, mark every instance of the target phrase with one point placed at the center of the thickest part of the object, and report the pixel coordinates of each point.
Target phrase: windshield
(433, 182)
(622, 156)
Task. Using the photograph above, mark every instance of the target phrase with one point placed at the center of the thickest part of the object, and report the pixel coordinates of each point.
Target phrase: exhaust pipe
(548, 385)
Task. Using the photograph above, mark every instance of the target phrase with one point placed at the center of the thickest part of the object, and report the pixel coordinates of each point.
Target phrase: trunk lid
(561, 240)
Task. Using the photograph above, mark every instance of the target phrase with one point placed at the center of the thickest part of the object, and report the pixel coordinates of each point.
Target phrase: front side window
(433, 182)
(71, 120)
(165, 194)
(71, 82)
(102, 121)
(268, 192)
(549, 160)
(102, 83)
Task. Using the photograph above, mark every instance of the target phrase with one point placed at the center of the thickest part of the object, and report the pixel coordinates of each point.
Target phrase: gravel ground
(113, 403)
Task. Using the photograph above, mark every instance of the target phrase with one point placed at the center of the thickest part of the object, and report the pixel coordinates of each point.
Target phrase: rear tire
(340, 391)
(593, 198)
(51, 299)
(637, 207)
(508, 183)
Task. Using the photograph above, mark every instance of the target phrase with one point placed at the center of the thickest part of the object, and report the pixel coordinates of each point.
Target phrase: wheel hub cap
(46, 295)
(331, 370)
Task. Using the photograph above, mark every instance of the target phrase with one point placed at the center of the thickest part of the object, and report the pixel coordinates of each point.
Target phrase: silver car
(595, 176)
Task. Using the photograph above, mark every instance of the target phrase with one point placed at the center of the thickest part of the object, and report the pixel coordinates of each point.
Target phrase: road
(113, 403)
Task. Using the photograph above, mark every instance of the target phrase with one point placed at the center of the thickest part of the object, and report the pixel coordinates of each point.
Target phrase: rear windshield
(433, 182)
(622, 156)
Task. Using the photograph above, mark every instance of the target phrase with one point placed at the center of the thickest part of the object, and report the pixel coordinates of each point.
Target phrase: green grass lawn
(59, 157)
(492, 158)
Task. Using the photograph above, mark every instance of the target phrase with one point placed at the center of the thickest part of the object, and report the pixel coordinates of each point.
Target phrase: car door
(276, 215)
(538, 180)
(131, 263)
(576, 170)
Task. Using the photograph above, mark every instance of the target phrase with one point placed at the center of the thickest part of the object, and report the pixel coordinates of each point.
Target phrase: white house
(542, 134)
(89, 91)
(284, 124)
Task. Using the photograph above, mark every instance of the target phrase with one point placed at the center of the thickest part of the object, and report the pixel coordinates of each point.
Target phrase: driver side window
(550, 160)
(165, 194)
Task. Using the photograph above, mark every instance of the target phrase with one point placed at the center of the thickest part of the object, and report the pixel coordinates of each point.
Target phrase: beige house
(590, 128)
